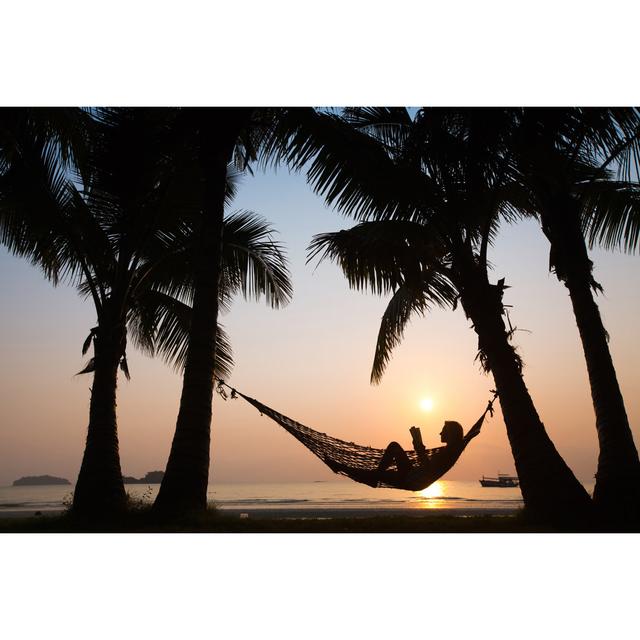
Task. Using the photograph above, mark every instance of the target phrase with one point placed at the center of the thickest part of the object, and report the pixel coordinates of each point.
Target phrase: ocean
(290, 497)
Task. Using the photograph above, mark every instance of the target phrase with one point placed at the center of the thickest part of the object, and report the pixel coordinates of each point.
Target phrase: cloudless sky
(311, 361)
(462, 53)
(456, 53)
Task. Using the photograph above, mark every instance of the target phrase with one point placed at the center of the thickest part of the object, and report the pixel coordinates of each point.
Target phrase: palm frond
(408, 299)
(90, 367)
(391, 126)
(234, 177)
(65, 129)
(253, 262)
(160, 324)
(611, 214)
(124, 366)
(88, 340)
(380, 256)
(44, 217)
(36, 201)
(349, 168)
(612, 134)
(224, 354)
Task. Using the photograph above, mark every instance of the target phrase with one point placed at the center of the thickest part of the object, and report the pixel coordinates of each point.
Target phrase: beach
(285, 507)
(279, 521)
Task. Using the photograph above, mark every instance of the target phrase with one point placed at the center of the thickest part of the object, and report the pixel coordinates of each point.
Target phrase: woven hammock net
(356, 461)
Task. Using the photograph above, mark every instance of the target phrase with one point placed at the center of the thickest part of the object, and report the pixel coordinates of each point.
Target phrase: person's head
(451, 432)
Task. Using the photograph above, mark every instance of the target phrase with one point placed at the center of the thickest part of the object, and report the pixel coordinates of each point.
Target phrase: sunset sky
(311, 361)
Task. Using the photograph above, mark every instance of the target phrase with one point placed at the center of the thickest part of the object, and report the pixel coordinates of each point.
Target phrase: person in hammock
(396, 469)
(431, 464)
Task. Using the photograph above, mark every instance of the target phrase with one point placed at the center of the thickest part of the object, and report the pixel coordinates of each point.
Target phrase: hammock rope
(355, 461)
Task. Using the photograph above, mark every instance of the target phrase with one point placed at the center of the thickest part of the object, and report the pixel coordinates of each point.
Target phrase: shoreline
(350, 512)
(315, 513)
(143, 520)
(279, 521)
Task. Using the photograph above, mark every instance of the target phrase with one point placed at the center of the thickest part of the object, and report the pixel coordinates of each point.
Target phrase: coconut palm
(219, 136)
(565, 156)
(126, 240)
(429, 192)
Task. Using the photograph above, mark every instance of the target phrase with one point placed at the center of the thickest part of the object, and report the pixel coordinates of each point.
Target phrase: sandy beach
(312, 514)
(283, 521)
(308, 514)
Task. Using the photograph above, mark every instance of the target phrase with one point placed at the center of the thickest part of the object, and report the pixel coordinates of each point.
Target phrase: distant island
(30, 481)
(152, 477)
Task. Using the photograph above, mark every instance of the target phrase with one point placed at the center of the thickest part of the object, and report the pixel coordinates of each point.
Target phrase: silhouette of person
(430, 464)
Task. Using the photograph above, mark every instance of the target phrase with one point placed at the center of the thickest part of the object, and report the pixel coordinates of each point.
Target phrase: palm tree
(219, 136)
(126, 240)
(100, 236)
(563, 156)
(429, 192)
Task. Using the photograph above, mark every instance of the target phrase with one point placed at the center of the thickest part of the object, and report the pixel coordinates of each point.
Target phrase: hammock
(361, 463)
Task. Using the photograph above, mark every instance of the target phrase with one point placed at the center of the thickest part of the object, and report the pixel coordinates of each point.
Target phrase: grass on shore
(142, 520)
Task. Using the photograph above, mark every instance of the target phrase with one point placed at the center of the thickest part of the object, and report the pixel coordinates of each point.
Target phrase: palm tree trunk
(99, 489)
(617, 489)
(184, 486)
(549, 488)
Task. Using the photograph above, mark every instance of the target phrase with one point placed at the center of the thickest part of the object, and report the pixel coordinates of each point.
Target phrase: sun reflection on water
(430, 494)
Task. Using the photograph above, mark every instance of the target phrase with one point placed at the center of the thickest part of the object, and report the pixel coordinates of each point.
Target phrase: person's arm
(418, 446)
(474, 431)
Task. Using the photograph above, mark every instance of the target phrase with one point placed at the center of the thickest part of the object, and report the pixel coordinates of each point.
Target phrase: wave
(447, 498)
(262, 501)
(333, 502)
(30, 503)
(28, 506)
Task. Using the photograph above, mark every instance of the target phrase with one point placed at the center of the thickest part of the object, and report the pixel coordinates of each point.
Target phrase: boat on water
(503, 480)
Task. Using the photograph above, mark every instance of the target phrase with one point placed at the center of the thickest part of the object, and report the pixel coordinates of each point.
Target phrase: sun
(426, 404)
